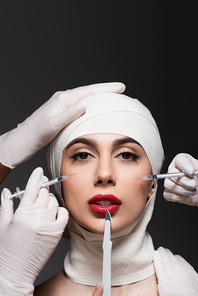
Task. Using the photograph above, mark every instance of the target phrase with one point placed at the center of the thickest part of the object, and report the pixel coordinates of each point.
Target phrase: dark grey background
(151, 46)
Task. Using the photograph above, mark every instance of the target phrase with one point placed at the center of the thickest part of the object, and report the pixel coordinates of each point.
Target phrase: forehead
(95, 139)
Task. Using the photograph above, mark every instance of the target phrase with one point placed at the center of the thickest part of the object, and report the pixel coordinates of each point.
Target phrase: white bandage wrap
(110, 114)
(132, 250)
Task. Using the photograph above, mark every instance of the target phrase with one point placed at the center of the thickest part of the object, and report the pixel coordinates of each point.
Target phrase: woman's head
(107, 167)
(118, 135)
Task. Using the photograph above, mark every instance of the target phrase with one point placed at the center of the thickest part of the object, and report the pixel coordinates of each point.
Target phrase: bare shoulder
(60, 285)
(53, 286)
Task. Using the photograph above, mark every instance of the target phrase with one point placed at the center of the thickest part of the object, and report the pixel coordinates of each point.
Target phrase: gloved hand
(182, 189)
(176, 277)
(29, 236)
(44, 124)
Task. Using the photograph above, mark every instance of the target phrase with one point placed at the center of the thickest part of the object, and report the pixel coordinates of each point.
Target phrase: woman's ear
(151, 190)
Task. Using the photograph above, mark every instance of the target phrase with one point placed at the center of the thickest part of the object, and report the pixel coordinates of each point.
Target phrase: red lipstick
(100, 203)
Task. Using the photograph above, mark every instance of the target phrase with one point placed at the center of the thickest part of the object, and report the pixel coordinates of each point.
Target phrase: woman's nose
(105, 173)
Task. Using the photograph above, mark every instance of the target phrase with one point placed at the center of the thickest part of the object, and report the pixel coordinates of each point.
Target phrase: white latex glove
(183, 189)
(176, 277)
(44, 124)
(29, 236)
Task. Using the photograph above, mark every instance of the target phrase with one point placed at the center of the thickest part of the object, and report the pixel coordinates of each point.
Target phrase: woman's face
(106, 167)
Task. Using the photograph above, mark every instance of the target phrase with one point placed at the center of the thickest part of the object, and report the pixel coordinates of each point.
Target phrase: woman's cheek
(143, 187)
(73, 189)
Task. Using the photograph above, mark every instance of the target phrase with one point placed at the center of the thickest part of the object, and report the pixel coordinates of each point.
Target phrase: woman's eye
(128, 156)
(81, 156)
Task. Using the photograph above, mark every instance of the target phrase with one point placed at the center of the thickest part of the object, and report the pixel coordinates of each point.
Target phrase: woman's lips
(100, 203)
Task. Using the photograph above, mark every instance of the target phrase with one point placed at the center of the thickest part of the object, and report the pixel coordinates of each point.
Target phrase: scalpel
(107, 245)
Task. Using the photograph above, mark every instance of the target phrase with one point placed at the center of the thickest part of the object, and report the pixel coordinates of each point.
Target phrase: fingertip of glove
(189, 171)
(78, 107)
(156, 254)
(81, 105)
(63, 214)
(122, 86)
(117, 87)
(159, 250)
(4, 196)
(36, 177)
(38, 170)
(184, 162)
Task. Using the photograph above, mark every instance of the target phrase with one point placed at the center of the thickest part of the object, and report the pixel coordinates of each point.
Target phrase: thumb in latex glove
(29, 236)
(176, 277)
(182, 189)
(44, 124)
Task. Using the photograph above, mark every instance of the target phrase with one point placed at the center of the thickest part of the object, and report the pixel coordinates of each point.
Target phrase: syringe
(164, 176)
(19, 194)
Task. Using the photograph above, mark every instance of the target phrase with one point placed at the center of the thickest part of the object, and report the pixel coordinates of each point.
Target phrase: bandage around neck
(132, 253)
(114, 114)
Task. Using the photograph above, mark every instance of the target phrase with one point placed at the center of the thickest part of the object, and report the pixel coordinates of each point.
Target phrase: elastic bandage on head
(114, 114)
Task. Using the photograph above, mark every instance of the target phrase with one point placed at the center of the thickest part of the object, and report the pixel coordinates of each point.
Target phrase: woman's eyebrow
(83, 141)
(124, 140)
